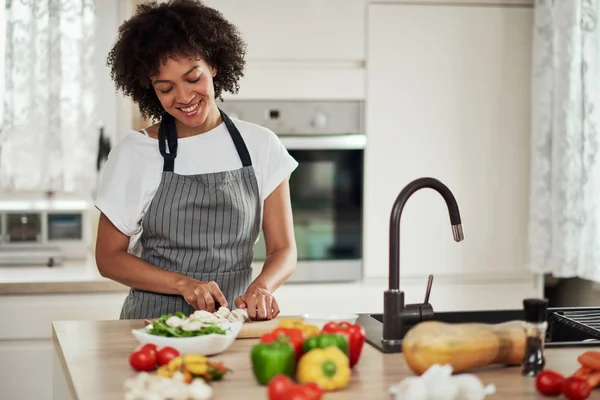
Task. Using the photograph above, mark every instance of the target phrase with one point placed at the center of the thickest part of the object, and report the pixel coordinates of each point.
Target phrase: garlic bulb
(438, 383)
(410, 388)
(151, 387)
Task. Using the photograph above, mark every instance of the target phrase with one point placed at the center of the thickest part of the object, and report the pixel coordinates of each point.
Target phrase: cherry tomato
(303, 392)
(575, 388)
(166, 354)
(149, 347)
(282, 387)
(142, 360)
(278, 386)
(549, 383)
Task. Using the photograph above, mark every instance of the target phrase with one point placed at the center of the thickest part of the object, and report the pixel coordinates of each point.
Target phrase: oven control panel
(297, 117)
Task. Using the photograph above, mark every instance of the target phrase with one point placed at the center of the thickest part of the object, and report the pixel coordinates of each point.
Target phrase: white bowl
(321, 319)
(206, 345)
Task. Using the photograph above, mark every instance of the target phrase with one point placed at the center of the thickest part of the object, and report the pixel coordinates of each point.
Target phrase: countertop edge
(63, 363)
(61, 287)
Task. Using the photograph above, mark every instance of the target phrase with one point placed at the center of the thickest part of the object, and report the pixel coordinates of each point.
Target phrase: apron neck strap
(240, 146)
(167, 135)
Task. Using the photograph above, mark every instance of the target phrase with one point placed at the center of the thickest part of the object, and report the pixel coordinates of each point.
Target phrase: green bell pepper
(270, 359)
(325, 340)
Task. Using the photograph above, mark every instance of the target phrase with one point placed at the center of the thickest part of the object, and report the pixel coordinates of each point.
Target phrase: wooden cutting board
(255, 329)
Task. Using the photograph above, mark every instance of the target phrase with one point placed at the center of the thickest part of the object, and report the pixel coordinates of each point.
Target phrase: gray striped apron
(203, 226)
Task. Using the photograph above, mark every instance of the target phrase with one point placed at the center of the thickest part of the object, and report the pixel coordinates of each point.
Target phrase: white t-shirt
(133, 170)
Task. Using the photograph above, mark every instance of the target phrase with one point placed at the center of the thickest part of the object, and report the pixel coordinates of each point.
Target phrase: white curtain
(49, 133)
(565, 177)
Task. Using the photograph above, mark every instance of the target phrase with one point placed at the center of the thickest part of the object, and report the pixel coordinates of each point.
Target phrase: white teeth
(190, 109)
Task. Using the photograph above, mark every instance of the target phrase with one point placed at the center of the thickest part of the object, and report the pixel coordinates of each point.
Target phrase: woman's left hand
(259, 303)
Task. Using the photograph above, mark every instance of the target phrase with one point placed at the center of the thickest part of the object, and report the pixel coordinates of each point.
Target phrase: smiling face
(184, 87)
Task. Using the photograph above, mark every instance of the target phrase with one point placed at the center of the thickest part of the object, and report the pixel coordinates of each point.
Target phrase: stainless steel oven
(328, 141)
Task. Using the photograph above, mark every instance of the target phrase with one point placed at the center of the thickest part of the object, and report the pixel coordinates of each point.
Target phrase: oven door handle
(330, 142)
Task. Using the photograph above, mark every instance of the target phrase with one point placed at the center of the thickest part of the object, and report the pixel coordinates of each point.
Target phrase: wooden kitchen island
(91, 363)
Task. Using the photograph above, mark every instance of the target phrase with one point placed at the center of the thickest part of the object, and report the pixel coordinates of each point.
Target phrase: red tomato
(278, 386)
(282, 387)
(166, 354)
(549, 383)
(149, 347)
(142, 360)
(575, 388)
(303, 392)
(312, 391)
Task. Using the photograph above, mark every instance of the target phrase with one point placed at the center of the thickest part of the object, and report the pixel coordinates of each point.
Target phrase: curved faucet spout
(409, 190)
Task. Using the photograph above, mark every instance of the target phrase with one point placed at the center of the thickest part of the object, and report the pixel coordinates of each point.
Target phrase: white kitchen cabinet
(448, 97)
(293, 31)
(60, 387)
(308, 30)
(31, 316)
(26, 351)
(26, 367)
(267, 81)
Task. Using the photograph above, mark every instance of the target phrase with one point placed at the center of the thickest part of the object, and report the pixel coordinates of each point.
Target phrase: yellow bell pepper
(291, 323)
(329, 368)
(308, 330)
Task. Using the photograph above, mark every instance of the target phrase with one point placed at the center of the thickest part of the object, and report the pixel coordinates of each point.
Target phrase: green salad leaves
(182, 326)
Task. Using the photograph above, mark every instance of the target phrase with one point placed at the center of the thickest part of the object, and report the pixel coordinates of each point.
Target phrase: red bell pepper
(282, 387)
(355, 334)
(294, 336)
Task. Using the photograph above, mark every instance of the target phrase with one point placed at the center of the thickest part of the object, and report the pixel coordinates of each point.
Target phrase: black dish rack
(567, 326)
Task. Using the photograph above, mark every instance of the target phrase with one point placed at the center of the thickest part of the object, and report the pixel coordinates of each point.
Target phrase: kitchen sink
(567, 326)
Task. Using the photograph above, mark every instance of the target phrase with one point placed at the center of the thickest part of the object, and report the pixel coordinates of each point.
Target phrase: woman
(190, 193)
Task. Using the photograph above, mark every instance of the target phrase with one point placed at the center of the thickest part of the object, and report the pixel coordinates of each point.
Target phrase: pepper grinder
(536, 326)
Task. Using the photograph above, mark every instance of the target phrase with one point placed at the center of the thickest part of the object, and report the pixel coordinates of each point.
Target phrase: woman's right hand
(202, 295)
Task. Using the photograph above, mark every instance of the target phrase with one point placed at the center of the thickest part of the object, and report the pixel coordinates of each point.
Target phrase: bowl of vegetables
(189, 335)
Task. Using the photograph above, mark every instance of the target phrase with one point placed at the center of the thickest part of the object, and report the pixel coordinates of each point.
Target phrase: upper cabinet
(448, 96)
(307, 30)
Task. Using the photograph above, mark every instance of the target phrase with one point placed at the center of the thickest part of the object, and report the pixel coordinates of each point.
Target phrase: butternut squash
(464, 346)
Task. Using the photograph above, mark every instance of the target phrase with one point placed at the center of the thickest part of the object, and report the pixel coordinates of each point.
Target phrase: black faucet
(398, 317)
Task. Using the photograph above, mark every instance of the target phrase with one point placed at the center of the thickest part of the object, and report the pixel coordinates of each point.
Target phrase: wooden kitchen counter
(94, 359)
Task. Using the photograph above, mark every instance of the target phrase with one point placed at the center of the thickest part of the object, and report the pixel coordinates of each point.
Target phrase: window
(49, 96)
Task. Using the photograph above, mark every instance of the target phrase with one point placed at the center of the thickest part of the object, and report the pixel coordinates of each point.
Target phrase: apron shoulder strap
(240, 146)
(167, 133)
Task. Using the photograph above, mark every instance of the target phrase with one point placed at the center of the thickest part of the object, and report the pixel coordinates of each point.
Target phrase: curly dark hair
(174, 28)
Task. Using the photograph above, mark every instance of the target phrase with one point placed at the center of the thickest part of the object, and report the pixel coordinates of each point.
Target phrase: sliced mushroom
(223, 313)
